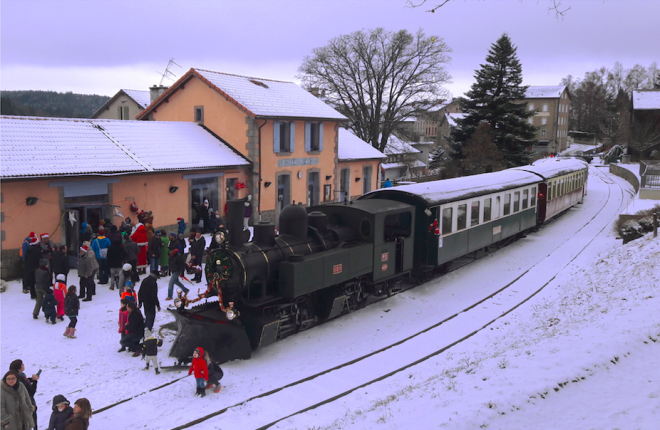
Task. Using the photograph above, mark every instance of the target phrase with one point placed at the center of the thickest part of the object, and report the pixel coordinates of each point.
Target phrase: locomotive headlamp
(177, 302)
(219, 237)
(230, 314)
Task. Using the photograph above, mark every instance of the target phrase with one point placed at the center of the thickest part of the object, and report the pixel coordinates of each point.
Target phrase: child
(71, 308)
(59, 291)
(48, 306)
(129, 293)
(150, 349)
(201, 371)
(123, 320)
(61, 412)
(215, 373)
(125, 275)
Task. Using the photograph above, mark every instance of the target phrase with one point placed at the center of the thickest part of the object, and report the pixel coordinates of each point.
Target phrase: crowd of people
(115, 257)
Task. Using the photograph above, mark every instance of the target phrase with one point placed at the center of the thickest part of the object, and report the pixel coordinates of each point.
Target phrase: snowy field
(564, 336)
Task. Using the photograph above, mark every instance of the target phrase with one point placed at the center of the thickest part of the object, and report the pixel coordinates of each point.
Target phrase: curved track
(340, 380)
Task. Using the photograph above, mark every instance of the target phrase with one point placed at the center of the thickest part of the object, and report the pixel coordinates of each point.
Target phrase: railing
(650, 174)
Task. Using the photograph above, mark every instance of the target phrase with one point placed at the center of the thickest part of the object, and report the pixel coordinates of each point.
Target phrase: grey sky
(100, 46)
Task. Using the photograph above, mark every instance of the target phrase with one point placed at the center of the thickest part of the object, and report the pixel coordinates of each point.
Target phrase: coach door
(541, 204)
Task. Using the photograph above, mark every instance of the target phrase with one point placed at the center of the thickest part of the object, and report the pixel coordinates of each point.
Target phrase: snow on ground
(590, 321)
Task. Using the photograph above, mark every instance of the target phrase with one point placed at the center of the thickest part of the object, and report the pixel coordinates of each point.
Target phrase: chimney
(156, 91)
(236, 210)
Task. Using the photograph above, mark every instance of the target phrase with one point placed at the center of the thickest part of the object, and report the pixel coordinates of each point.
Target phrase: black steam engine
(325, 261)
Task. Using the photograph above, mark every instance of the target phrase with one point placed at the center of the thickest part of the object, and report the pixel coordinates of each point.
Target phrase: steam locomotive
(327, 260)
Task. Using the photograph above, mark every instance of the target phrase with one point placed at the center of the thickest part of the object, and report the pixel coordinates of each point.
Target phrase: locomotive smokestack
(236, 211)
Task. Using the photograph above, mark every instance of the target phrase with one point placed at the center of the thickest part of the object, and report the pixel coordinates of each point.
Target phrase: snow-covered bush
(646, 223)
(3, 285)
(631, 230)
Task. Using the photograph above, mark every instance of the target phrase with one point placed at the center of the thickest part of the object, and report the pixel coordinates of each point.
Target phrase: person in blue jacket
(100, 247)
(387, 183)
(182, 225)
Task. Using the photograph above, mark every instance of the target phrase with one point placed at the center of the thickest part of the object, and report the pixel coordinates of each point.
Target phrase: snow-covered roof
(396, 145)
(413, 164)
(552, 167)
(438, 192)
(451, 118)
(646, 99)
(140, 97)
(351, 147)
(259, 97)
(36, 147)
(549, 92)
(423, 142)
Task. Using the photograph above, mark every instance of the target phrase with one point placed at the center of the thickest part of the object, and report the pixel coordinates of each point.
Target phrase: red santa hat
(32, 234)
(44, 235)
(34, 241)
(84, 248)
(178, 219)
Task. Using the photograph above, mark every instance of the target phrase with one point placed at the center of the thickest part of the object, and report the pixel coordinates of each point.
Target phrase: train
(327, 260)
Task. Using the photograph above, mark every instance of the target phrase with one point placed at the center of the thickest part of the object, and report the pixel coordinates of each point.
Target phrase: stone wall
(625, 174)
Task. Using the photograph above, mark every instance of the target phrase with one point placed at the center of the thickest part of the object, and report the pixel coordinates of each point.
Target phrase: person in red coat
(140, 237)
(60, 290)
(201, 371)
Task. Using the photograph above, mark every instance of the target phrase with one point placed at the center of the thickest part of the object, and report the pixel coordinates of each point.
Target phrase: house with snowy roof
(644, 123)
(358, 166)
(289, 134)
(552, 104)
(58, 173)
(124, 105)
(402, 160)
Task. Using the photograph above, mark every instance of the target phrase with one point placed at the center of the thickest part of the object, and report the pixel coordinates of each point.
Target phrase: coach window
(533, 202)
(461, 221)
(525, 199)
(474, 215)
(487, 204)
(446, 220)
(496, 208)
(507, 204)
(516, 201)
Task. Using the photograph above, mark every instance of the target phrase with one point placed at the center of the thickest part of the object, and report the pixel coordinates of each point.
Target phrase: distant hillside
(51, 103)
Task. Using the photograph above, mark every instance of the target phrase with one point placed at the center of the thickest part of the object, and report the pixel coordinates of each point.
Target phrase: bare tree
(378, 78)
(555, 7)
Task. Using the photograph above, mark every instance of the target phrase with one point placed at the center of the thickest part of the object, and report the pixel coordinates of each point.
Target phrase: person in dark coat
(43, 280)
(134, 330)
(32, 257)
(17, 408)
(116, 259)
(61, 413)
(181, 244)
(132, 251)
(113, 234)
(30, 384)
(155, 245)
(177, 266)
(150, 349)
(215, 373)
(71, 309)
(86, 233)
(60, 262)
(47, 247)
(49, 306)
(26, 273)
(148, 296)
(87, 266)
(197, 253)
(82, 412)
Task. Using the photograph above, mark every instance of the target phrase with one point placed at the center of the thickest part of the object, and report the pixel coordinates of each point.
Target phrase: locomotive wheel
(304, 310)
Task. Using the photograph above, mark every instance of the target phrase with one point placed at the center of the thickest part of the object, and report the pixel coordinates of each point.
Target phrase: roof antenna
(168, 73)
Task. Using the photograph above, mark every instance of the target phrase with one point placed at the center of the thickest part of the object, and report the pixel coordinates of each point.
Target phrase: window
(446, 220)
(474, 216)
(122, 112)
(283, 136)
(530, 120)
(545, 107)
(313, 187)
(533, 202)
(507, 204)
(199, 114)
(516, 201)
(230, 185)
(530, 106)
(487, 203)
(461, 221)
(543, 132)
(283, 191)
(525, 199)
(344, 184)
(544, 121)
(313, 136)
(366, 179)
(496, 209)
(397, 225)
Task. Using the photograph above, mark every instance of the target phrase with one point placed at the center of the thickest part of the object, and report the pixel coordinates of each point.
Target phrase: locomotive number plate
(384, 256)
(336, 269)
(383, 267)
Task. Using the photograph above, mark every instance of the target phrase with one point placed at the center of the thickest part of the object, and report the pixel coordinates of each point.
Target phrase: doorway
(344, 184)
(312, 188)
(200, 190)
(283, 195)
(92, 214)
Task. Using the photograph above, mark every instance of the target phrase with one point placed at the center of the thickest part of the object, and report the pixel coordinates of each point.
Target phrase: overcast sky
(100, 46)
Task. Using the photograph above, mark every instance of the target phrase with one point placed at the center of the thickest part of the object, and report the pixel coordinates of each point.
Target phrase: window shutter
(126, 112)
(320, 136)
(276, 136)
(293, 136)
(308, 136)
(119, 112)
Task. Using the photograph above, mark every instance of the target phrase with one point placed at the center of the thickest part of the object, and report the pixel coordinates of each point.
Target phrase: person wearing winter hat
(43, 280)
(150, 349)
(100, 246)
(60, 262)
(71, 309)
(47, 246)
(125, 275)
(59, 291)
(148, 296)
(32, 257)
(61, 412)
(129, 293)
(201, 370)
(87, 266)
(132, 253)
(116, 258)
(182, 225)
(155, 245)
(49, 306)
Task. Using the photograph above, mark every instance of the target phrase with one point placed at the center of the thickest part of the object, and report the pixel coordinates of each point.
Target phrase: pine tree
(437, 157)
(495, 98)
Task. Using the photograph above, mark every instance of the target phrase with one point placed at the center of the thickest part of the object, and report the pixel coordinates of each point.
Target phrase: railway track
(423, 342)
